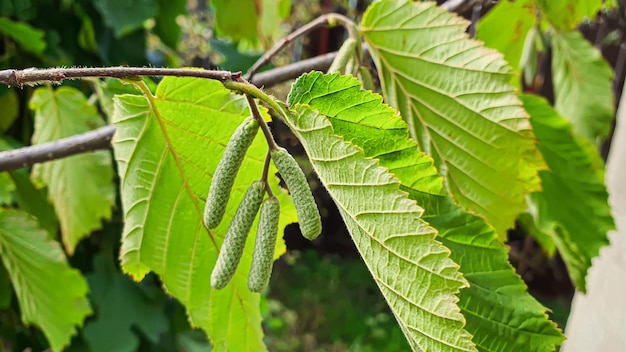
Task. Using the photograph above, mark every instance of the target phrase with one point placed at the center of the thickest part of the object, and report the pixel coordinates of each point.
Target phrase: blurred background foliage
(321, 298)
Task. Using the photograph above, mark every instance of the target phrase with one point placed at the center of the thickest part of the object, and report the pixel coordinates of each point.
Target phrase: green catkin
(226, 172)
(235, 240)
(345, 53)
(263, 256)
(308, 215)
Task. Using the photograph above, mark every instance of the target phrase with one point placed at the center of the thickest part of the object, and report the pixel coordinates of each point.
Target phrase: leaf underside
(500, 314)
(167, 148)
(456, 98)
(412, 270)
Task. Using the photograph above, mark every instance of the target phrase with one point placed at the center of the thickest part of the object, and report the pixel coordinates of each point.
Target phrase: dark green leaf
(573, 205)
(121, 306)
(28, 37)
(125, 16)
(166, 27)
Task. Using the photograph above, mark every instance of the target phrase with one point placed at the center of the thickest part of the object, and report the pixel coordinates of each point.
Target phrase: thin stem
(254, 110)
(266, 170)
(328, 18)
(249, 89)
(35, 76)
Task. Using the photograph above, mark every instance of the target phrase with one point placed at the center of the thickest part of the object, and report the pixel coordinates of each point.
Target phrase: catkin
(308, 215)
(263, 256)
(235, 240)
(226, 172)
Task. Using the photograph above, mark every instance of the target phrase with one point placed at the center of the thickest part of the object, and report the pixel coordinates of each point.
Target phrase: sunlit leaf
(582, 85)
(500, 314)
(392, 239)
(81, 186)
(50, 293)
(167, 148)
(574, 203)
(456, 98)
(567, 14)
(236, 19)
(505, 28)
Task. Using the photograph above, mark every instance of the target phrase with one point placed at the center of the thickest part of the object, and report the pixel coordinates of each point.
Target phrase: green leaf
(567, 14)
(456, 98)
(271, 16)
(582, 85)
(388, 231)
(10, 109)
(504, 28)
(167, 148)
(29, 38)
(574, 203)
(166, 27)
(51, 294)
(80, 187)
(125, 16)
(6, 292)
(7, 187)
(529, 224)
(236, 19)
(122, 305)
(500, 314)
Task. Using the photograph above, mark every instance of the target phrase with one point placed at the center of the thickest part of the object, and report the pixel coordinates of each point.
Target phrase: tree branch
(81, 143)
(101, 138)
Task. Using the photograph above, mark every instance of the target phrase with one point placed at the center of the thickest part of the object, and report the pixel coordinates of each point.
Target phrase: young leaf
(80, 187)
(167, 148)
(574, 203)
(500, 314)
(50, 293)
(388, 230)
(456, 98)
(582, 85)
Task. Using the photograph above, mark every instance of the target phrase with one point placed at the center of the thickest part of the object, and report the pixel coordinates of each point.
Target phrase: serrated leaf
(582, 85)
(500, 314)
(51, 294)
(167, 148)
(388, 231)
(454, 95)
(81, 186)
(505, 27)
(574, 203)
(567, 14)
(122, 305)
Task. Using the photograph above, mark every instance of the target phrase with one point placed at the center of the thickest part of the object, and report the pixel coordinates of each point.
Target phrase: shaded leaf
(7, 187)
(582, 85)
(81, 186)
(573, 206)
(567, 14)
(166, 26)
(500, 314)
(51, 294)
(125, 16)
(167, 148)
(10, 109)
(29, 38)
(528, 223)
(455, 96)
(388, 231)
(122, 305)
